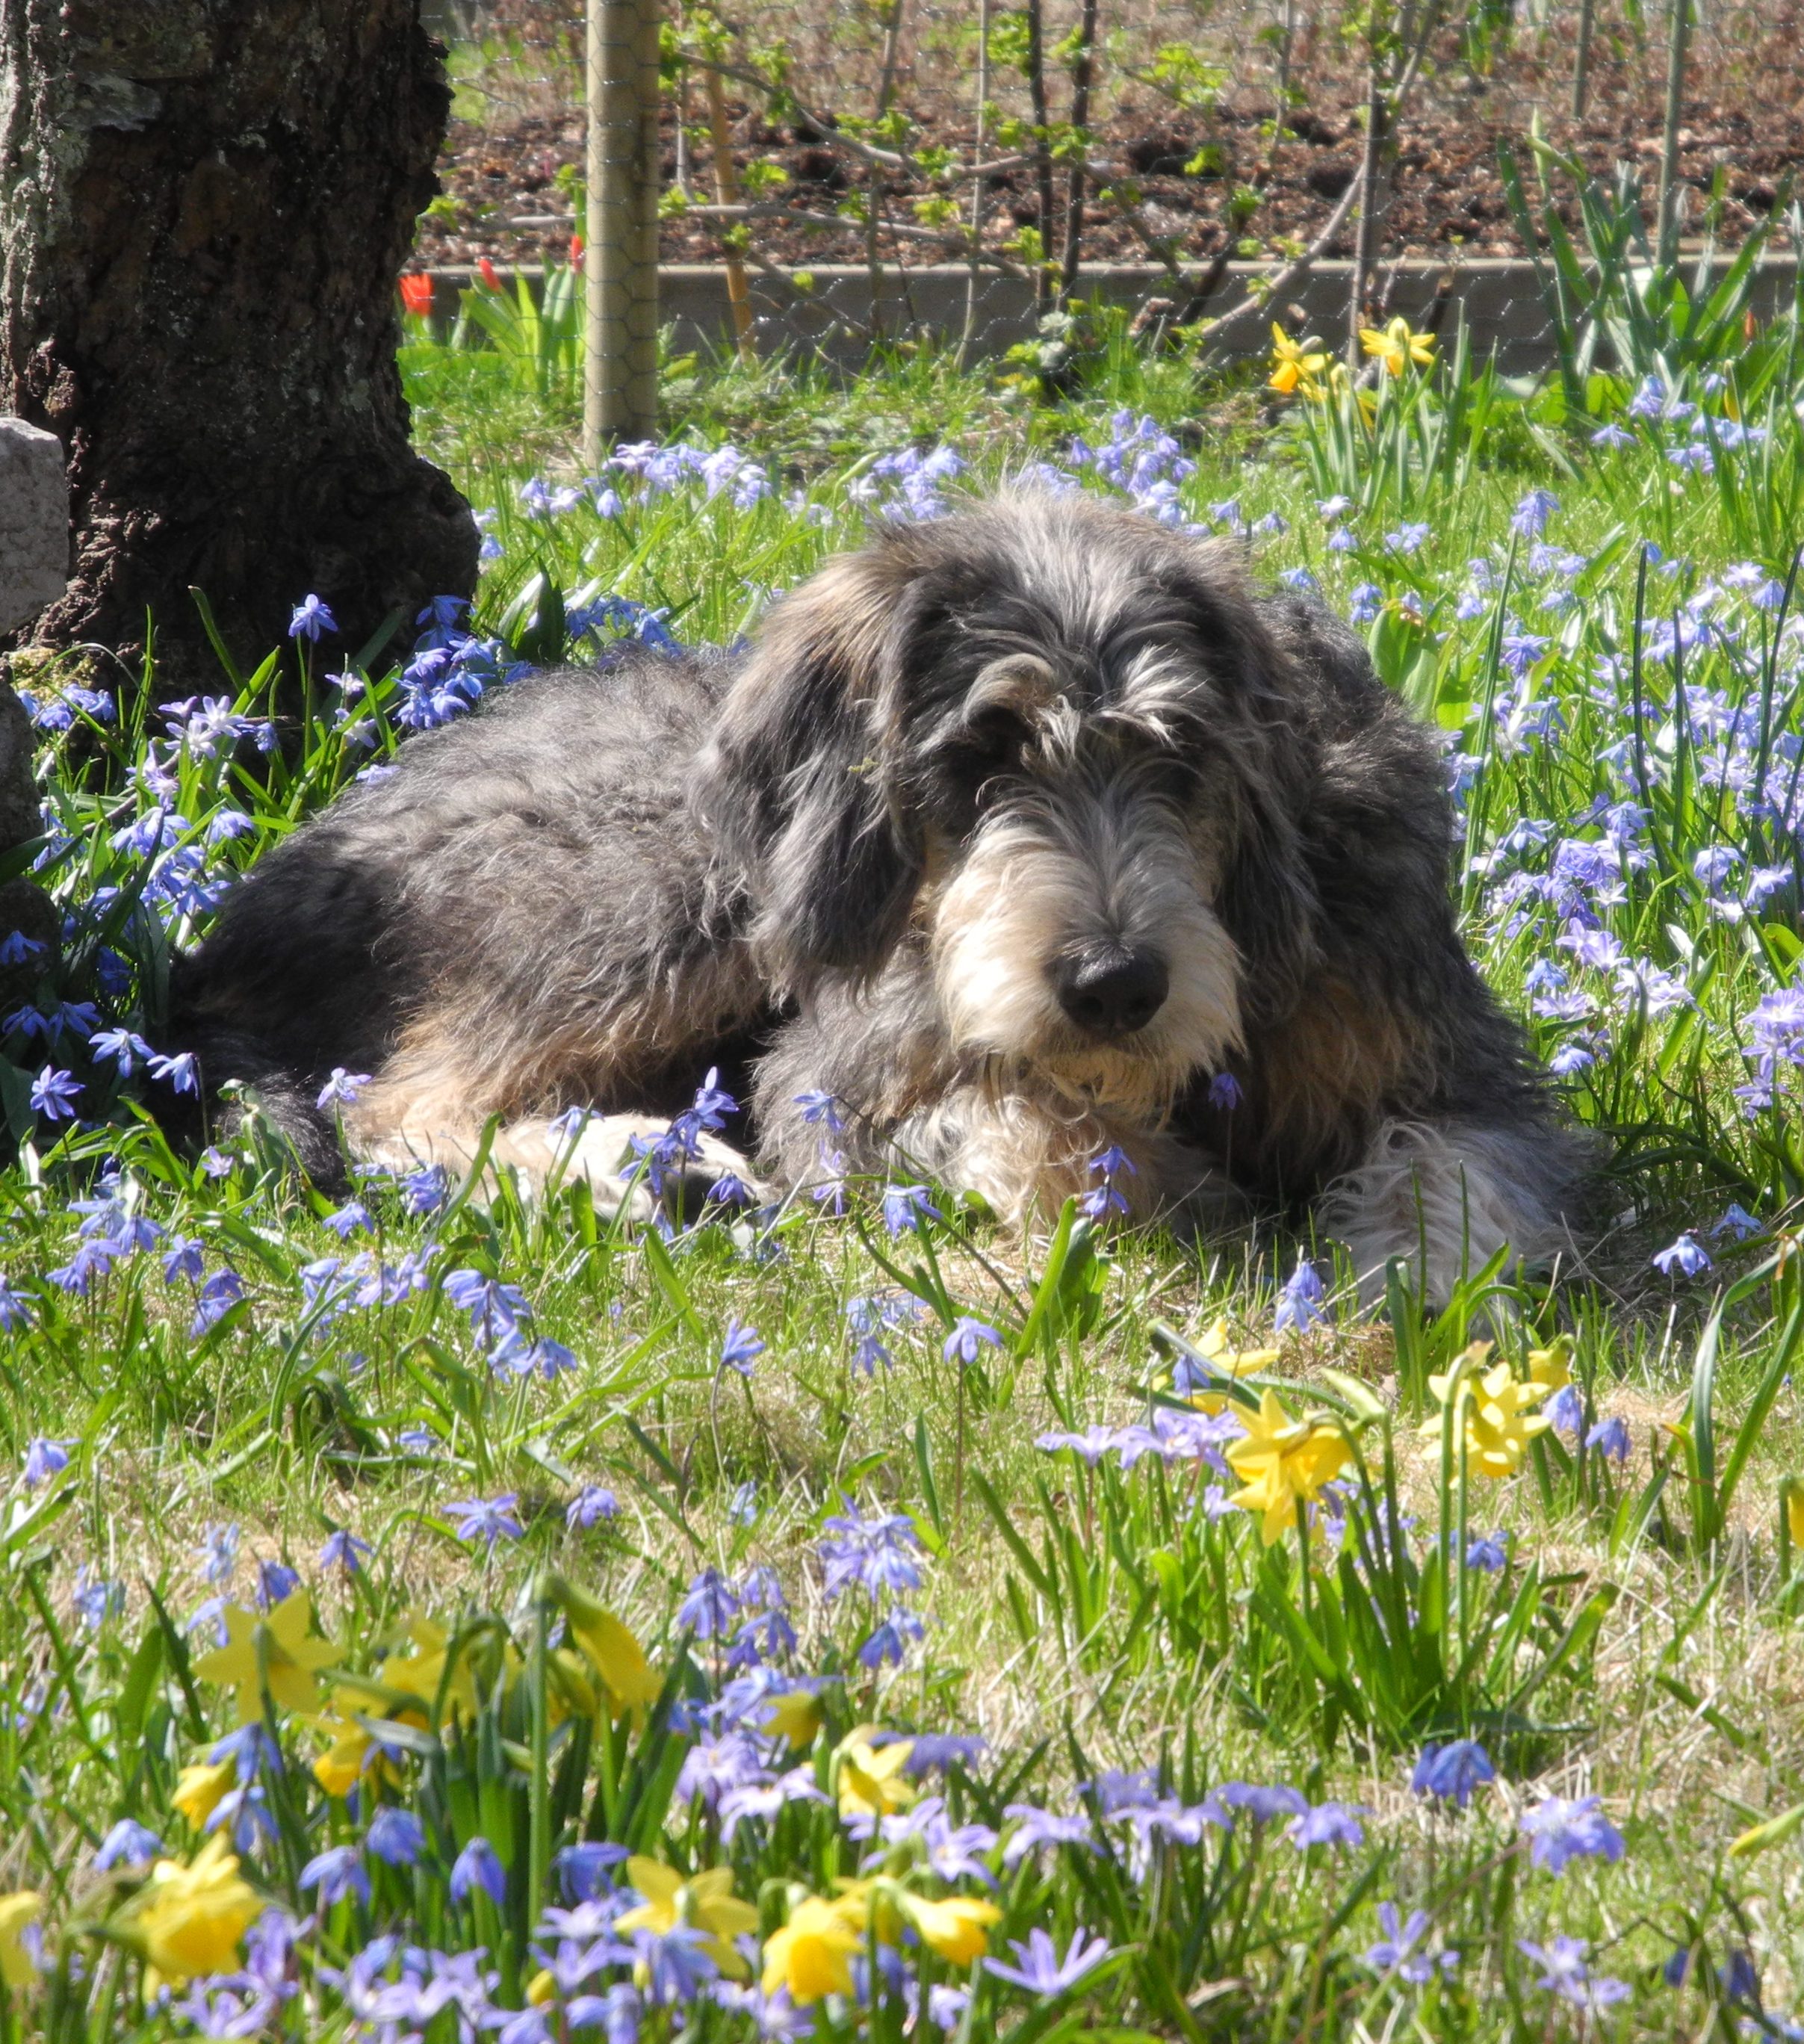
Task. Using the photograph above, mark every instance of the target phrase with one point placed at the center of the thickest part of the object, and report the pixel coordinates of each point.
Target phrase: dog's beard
(1027, 892)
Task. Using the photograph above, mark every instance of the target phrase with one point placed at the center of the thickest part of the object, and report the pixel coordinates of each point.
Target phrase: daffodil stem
(1461, 1572)
(1303, 1553)
(538, 1834)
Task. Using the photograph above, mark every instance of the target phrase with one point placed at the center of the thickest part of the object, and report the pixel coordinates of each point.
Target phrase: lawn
(450, 1612)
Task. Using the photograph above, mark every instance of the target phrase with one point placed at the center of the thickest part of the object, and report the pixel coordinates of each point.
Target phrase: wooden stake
(620, 367)
(727, 192)
(1677, 50)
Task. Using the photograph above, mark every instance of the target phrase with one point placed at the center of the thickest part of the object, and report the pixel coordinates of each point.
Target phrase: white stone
(34, 521)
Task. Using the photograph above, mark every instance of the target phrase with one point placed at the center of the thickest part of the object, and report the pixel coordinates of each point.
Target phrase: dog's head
(1050, 743)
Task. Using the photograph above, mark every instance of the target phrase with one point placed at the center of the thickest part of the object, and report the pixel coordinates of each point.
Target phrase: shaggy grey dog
(1025, 834)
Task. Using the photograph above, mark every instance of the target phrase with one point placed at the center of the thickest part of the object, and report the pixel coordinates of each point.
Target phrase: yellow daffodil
(1795, 1519)
(1283, 1461)
(703, 1900)
(811, 1954)
(16, 1967)
(201, 1784)
(1294, 361)
(422, 1673)
(571, 1689)
(1552, 1367)
(188, 1919)
(957, 1928)
(278, 1640)
(1396, 347)
(868, 1905)
(1226, 1361)
(419, 1675)
(794, 1715)
(631, 1683)
(1498, 1425)
(871, 1781)
(343, 1764)
(340, 1769)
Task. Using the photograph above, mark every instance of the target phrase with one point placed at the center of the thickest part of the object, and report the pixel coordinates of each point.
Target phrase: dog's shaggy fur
(1012, 833)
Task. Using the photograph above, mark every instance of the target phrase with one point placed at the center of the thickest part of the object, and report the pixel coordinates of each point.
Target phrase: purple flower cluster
(879, 1554)
(1172, 1434)
(501, 1327)
(1154, 1817)
(870, 1314)
(907, 485)
(669, 1157)
(1142, 459)
(1107, 1198)
(113, 1232)
(1560, 1831)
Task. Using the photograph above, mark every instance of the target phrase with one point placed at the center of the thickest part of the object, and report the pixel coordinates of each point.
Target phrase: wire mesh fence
(1042, 177)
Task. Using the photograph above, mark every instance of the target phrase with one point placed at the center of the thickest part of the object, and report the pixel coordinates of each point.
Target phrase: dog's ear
(793, 785)
(1266, 897)
(1267, 902)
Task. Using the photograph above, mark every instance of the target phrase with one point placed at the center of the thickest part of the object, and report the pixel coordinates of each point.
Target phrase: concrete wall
(1500, 298)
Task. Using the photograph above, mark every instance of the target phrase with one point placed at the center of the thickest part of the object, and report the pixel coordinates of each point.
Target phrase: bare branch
(1256, 302)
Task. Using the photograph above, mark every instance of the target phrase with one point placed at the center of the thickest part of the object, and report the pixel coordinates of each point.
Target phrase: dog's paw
(628, 1167)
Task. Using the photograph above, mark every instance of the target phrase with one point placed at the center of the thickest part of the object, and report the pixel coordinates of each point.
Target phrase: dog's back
(523, 849)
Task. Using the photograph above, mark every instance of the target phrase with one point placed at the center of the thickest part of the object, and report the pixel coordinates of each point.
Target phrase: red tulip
(416, 294)
(576, 252)
(491, 276)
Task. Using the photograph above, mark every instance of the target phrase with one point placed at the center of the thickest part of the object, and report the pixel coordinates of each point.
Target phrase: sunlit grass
(239, 1354)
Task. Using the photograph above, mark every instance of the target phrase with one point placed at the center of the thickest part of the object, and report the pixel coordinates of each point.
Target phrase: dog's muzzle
(1110, 990)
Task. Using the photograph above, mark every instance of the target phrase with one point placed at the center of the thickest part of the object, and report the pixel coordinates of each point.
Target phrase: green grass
(1640, 1643)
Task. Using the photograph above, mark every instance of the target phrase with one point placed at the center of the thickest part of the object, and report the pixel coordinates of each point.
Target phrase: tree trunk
(204, 206)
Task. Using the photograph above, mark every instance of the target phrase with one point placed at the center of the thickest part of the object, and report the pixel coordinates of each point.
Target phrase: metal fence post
(620, 359)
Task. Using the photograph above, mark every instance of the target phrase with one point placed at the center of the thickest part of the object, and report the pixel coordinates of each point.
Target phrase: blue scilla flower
(396, 1836)
(1529, 518)
(53, 1093)
(711, 1606)
(906, 1207)
(740, 1347)
(44, 1459)
(311, 619)
(489, 1519)
(1449, 1773)
(478, 1866)
(1685, 1258)
(128, 1844)
(1611, 1438)
(216, 1298)
(344, 1551)
(1039, 1970)
(969, 1338)
(592, 1505)
(1561, 1830)
(337, 1872)
(1301, 1301)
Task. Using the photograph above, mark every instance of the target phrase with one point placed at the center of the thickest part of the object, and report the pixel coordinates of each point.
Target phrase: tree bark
(204, 207)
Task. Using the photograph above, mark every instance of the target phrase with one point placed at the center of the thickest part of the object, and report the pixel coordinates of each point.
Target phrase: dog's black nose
(1113, 991)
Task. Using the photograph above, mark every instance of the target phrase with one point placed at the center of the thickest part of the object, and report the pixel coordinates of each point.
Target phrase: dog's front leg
(1025, 1157)
(627, 1159)
(1443, 1197)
